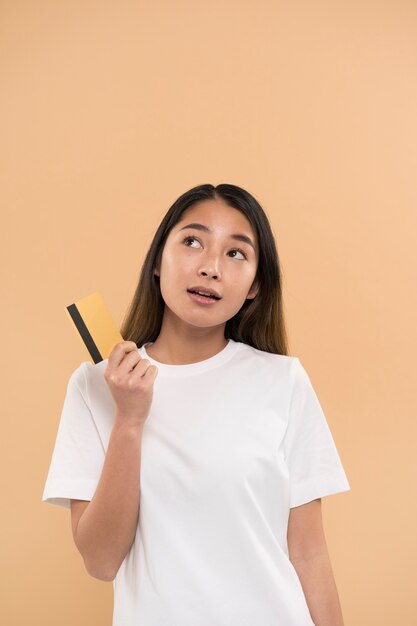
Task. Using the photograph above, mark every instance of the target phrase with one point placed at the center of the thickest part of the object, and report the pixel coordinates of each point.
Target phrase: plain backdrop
(108, 112)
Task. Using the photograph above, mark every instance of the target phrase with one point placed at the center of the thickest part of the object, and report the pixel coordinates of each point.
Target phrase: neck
(183, 344)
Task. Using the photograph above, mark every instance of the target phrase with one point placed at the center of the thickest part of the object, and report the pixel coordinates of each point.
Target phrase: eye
(233, 250)
(189, 239)
(238, 250)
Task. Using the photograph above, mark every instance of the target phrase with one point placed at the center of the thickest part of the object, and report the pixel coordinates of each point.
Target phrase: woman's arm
(105, 529)
(309, 555)
(107, 526)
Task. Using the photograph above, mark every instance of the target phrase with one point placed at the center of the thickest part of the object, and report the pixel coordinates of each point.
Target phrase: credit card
(95, 326)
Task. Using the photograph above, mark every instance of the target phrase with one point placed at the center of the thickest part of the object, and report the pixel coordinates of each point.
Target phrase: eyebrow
(237, 237)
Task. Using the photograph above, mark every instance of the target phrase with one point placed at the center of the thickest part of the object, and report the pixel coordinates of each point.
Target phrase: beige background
(108, 112)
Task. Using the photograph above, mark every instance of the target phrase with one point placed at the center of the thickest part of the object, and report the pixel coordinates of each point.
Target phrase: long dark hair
(259, 322)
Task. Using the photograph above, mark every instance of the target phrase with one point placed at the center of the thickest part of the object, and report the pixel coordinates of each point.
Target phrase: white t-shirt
(231, 443)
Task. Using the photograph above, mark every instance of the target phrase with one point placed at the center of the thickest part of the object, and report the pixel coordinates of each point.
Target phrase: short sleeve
(78, 456)
(315, 468)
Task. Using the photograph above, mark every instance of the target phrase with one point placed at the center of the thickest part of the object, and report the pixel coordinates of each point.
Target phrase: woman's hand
(130, 379)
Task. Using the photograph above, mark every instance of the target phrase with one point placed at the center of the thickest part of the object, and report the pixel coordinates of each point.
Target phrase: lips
(205, 291)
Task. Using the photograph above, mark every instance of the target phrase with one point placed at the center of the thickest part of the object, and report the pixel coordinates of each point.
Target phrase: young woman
(195, 457)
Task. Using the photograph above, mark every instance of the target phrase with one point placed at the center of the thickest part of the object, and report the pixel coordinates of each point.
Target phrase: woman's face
(207, 257)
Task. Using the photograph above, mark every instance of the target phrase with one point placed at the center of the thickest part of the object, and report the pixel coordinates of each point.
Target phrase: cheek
(175, 265)
(175, 262)
(167, 261)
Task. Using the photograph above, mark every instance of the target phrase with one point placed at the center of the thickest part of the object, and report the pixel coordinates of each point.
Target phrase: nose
(210, 268)
(209, 273)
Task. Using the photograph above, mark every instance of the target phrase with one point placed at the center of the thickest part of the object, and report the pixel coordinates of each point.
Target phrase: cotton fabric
(231, 443)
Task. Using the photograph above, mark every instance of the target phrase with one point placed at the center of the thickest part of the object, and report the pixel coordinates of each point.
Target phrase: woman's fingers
(130, 380)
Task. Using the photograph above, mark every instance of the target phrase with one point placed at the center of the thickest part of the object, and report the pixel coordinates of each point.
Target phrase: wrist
(126, 423)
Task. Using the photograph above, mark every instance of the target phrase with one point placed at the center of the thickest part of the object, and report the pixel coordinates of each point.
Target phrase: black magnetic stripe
(84, 332)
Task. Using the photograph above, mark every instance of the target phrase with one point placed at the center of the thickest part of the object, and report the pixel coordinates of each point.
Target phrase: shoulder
(87, 376)
(277, 364)
(87, 387)
(271, 358)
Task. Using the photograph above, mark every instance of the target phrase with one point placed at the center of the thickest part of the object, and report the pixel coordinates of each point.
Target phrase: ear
(253, 292)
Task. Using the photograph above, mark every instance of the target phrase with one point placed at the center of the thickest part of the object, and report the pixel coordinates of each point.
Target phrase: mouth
(209, 294)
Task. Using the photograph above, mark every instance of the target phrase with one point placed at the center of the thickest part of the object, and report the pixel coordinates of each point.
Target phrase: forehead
(219, 217)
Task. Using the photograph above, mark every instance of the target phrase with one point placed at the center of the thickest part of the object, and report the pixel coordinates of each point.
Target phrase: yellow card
(95, 326)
